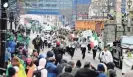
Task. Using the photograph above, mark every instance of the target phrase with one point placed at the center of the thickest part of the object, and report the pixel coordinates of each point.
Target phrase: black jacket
(37, 42)
(58, 51)
(60, 68)
(86, 72)
(112, 73)
(66, 75)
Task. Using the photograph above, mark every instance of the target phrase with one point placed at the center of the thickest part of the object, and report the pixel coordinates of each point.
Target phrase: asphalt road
(77, 56)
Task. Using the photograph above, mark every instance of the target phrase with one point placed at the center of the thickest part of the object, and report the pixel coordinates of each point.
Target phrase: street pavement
(77, 56)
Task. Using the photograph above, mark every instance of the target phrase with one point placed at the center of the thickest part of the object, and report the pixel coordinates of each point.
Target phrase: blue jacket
(51, 68)
(7, 54)
(102, 75)
(12, 45)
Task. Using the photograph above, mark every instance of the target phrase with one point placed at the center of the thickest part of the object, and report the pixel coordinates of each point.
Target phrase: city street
(100, 25)
(77, 56)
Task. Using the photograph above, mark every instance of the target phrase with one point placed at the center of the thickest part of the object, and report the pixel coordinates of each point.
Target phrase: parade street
(66, 38)
(77, 56)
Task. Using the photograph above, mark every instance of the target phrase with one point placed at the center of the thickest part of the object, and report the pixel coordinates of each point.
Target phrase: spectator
(17, 70)
(51, 68)
(101, 70)
(106, 56)
(78, 65)
(42, 63)
(7, 55)
(11, 72)
(61, 65)
(16, 62)
(72, 64)
(67, 73)
(49, 54)
(58, 51)
(86, 71)
(106, 70)
(111, 71)
(30, 67)
(35, 57)
(12, 45)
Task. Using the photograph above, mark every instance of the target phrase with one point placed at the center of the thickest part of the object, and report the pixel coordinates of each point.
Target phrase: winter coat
(52, 69)
(74, 71)
(7, 54)
(60, 68)
(106, 57)
(105, 67)
(35, 60)
(21, 72)
(111, 72)
(37, 42)
(12, 45)
(30, 70)
(58, 51)
(65, 75)
(86, 72)
(42, 63)
(102, 75)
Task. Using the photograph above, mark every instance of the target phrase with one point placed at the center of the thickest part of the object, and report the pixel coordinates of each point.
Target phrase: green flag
(95, 36)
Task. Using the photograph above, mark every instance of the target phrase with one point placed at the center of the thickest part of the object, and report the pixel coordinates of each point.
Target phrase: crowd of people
(20, 64)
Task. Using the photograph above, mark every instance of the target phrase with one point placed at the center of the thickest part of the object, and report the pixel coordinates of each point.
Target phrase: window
(48, 5)
(54, 5)
(40, 5)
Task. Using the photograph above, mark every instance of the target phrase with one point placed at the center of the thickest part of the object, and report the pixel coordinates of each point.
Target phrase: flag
(95, 36)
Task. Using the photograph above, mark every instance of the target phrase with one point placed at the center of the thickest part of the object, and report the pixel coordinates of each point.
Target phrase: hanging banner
(92, 25)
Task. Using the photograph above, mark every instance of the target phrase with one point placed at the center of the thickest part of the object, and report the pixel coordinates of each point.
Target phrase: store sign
(123, 6)
(42, 11)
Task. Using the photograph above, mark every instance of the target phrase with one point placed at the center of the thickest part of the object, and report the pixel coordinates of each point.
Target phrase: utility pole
(11, 19)
(3, 27)
(108, 8)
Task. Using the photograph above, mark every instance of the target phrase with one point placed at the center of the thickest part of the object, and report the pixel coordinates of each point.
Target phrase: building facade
(101, 8)
(81, 8)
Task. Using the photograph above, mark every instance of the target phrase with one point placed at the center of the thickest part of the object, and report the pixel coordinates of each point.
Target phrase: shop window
(48, 5)
(54, 5)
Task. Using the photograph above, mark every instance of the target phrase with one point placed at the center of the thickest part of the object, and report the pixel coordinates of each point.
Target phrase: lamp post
(103, 13)
(129, 3)
(3, 27)
(11, 19)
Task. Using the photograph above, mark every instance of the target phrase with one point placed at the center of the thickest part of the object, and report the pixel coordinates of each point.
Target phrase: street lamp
(5, 5)
(3, 23)
(103, 13)
(129, 3)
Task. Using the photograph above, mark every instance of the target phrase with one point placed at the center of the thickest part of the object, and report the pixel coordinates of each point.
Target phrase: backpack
(37, 73)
